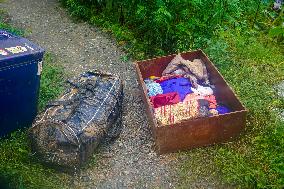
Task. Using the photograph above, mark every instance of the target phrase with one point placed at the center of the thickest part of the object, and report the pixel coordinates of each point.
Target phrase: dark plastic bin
(20, 69)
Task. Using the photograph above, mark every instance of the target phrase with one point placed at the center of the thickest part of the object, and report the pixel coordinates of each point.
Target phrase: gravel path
(130, 161)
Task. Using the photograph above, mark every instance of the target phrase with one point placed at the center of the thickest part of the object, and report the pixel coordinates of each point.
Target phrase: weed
(124, 58)
(252, 67)
(162, 27)
(52, 81)
(245, 41)
(6, 26)
(18, 166)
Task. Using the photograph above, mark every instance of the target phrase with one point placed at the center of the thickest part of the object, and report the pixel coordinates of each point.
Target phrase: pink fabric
(165, 99)
(211, 99)
(192, 96)
(175, 113)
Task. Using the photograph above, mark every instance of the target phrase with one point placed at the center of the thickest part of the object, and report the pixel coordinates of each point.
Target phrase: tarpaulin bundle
(73, 126)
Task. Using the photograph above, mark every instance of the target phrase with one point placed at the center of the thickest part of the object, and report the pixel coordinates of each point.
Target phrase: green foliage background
(245, 41)
(159, 27)
(244, 38)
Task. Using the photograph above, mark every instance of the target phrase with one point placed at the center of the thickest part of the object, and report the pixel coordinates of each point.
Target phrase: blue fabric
(223, 109)
(153, 88)
(180, 85)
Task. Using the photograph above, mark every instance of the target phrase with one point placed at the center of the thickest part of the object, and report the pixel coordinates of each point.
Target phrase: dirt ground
(129, 162)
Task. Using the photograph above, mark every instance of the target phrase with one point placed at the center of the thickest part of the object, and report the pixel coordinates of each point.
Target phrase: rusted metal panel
(197, 132)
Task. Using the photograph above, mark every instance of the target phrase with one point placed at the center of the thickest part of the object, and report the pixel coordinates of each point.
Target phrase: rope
(100, 106)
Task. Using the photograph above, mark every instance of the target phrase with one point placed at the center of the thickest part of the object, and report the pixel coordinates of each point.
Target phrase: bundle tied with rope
(73, 126)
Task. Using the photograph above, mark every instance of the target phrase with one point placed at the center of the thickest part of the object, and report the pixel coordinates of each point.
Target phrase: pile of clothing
(183, 92)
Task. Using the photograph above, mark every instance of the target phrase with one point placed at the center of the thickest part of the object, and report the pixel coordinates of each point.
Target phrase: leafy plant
(252, 67)
(244, 38)
(52, 80)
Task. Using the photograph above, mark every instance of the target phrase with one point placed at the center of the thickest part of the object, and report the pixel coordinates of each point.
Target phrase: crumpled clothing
(176, 113)
(223, 109)
(180, 85)
(165, 99)
(153, 88)
(211, 99)
(165, 78)
(213, 112)
(203, 91)
(203, 108)
(170, 114)
(194, 70)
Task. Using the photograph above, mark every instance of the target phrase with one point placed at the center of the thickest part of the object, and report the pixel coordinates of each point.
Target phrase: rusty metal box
(196, 132)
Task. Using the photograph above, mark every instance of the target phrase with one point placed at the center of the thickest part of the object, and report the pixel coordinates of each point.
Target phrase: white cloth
(203, 91)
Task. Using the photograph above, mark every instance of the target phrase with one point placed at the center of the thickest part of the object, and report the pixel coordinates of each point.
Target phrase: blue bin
(20, 69)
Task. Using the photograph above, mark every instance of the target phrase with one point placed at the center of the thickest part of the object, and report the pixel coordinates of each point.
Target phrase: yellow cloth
(152, 77)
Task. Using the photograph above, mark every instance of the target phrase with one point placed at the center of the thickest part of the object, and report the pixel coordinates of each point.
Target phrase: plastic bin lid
(15, 49)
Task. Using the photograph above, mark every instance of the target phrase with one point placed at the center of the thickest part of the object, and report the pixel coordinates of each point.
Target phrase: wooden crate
(197, 132)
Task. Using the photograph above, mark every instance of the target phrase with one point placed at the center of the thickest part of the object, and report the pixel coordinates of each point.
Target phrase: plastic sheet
(73, 126)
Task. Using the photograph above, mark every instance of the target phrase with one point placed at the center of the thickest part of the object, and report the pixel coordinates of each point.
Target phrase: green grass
(18, 166)
(251, 62)
(52, 80)
(252, 65)
(20, 169)
(6, 26)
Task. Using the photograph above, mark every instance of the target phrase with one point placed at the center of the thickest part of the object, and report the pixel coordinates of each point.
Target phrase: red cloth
(165, 99)
(165, 78)
(212, 101)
